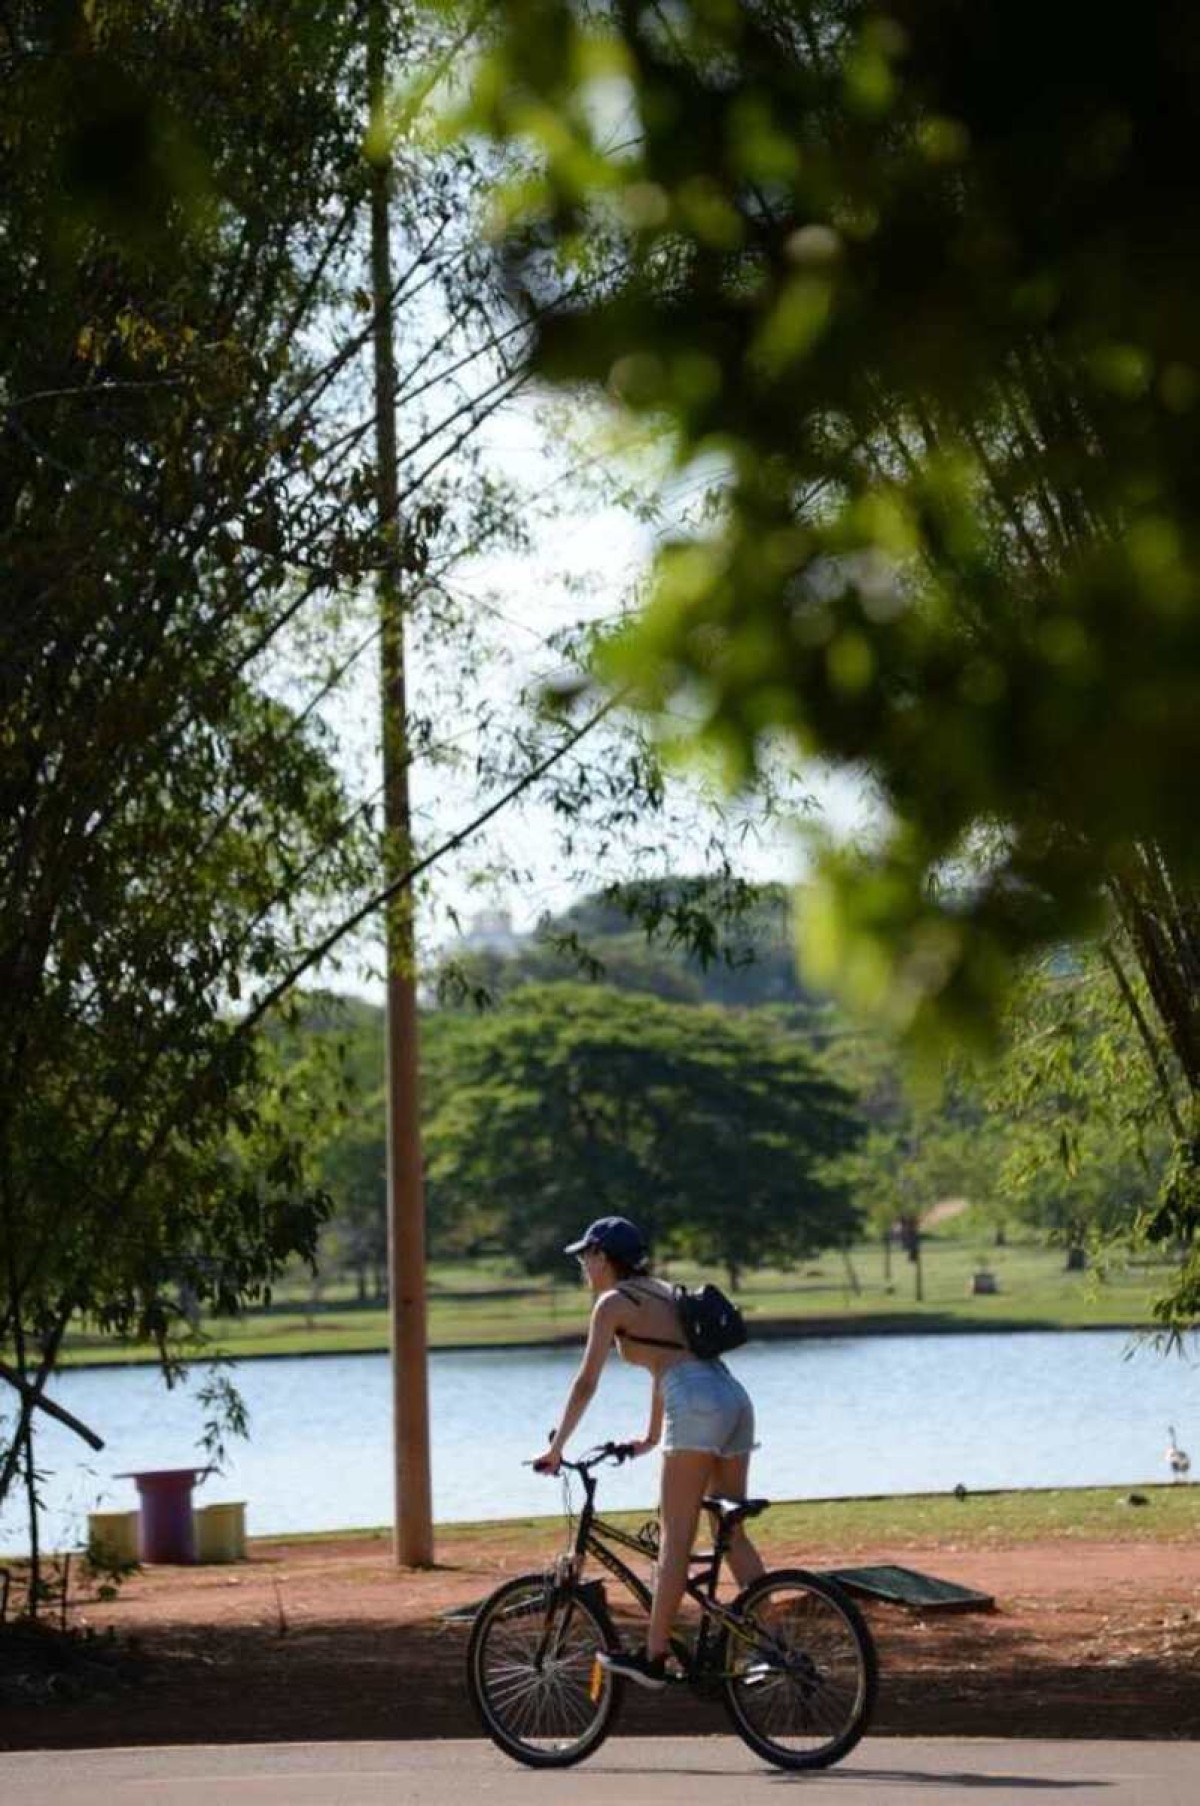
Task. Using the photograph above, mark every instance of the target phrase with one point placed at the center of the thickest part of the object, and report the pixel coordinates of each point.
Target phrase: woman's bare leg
(685, 1480)
(729, 1477)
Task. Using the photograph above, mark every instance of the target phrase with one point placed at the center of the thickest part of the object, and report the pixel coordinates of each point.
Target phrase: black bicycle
(792, 1657)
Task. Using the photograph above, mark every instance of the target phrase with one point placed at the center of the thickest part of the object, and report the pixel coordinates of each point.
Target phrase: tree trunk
(34, 1507)
(910, 1239)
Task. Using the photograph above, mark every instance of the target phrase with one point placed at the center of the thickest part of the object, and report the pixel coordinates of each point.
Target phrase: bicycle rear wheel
(532, 1673)
(800, 1681)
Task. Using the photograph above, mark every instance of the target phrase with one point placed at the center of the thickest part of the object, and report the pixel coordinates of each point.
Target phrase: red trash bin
(165, 1529)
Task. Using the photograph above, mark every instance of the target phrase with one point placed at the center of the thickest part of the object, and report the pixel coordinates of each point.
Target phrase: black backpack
(711, 1323)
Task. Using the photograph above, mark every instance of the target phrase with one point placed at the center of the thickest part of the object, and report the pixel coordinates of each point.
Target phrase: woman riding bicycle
(701, 1412)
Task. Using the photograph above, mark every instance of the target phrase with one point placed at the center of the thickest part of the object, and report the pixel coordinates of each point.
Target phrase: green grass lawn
(485, 1304)
(981, 1520)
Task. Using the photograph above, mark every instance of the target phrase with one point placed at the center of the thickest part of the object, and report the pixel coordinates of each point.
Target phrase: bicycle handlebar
(617, 1452)
(607, 1451)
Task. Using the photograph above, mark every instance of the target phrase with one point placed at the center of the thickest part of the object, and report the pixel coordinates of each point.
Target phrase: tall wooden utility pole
(406, 1198)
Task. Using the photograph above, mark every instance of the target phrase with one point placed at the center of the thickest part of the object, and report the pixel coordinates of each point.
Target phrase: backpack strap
(627, 1335)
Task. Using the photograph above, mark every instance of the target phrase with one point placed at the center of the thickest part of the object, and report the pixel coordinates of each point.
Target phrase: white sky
(586, 559)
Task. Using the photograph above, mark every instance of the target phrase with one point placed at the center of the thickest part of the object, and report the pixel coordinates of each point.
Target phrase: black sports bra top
(627, 1335)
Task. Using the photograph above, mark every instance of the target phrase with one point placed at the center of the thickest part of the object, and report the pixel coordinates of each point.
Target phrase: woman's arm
(600, 1336)
(654, 1428)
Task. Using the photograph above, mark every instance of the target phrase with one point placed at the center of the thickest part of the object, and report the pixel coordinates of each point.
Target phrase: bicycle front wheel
(800, 1674)
(532, 1673)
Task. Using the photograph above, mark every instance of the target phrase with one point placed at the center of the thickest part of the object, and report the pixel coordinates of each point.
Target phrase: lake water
(837, 1416)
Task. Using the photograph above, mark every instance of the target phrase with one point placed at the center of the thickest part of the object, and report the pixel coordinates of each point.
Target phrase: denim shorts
(705, 1408)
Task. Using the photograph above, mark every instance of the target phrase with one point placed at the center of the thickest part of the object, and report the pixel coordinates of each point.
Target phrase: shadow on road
(322, 1682)
(910, 1777)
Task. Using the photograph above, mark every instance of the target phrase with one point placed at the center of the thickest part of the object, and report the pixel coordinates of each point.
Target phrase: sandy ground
(328, 1640)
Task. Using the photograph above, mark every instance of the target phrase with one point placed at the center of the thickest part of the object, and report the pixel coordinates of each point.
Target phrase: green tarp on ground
(905, 1586)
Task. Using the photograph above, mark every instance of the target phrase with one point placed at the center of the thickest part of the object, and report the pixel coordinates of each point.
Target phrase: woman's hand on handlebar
(641, 1445)
(553, 1459)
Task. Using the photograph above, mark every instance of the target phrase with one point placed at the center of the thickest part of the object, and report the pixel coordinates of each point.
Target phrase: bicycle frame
(595, 1537)
(796, 1669)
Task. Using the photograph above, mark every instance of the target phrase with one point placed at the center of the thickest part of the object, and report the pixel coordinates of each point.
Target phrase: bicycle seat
(730, 1510)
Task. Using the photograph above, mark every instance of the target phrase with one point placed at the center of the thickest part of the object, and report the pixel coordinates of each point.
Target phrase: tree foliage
(954, 400)
(921, 294)
(1065, 1135)
(177, 184)
(713, 939)
(1080, 1137)
(715, 1131)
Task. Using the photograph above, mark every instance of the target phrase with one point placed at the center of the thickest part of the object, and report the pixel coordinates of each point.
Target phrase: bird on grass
(1178, 1460)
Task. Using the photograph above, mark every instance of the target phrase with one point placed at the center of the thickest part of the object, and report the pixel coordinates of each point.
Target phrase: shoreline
(769, 1329)
(858, 1514)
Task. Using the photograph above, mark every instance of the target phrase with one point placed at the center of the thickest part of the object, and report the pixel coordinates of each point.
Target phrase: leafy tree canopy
(171, 827)
(716, 1132)
(916, 280)
(1080, 1141)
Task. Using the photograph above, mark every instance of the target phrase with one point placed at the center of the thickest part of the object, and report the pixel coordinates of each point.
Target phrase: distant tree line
(599, 1068)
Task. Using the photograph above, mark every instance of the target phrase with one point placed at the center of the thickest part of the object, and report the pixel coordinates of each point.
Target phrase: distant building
(491, 931)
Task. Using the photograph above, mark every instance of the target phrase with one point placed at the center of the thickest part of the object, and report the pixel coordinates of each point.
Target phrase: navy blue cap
(616, 1237)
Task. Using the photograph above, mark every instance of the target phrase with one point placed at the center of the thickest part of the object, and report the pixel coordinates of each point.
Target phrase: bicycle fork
(559, 1612)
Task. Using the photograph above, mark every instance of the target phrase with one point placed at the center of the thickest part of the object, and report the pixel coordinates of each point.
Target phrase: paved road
(691, 1771)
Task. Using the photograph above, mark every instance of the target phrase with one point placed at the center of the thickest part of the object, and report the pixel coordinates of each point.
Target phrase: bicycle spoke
(800, 1684)
(573, 1706)
(532, 1671)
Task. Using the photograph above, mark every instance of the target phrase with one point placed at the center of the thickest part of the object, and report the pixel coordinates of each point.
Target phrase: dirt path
(327, 1640)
